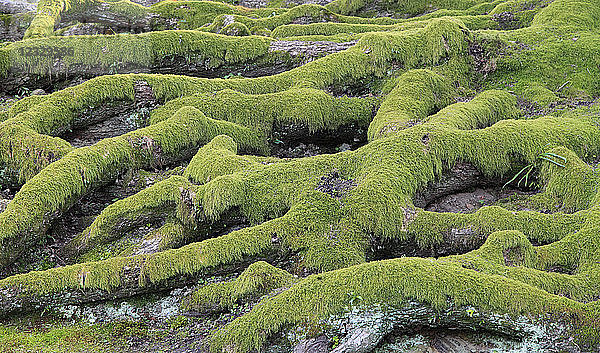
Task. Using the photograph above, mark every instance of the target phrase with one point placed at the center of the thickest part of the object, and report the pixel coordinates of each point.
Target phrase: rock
(313, 345)
(344, 147)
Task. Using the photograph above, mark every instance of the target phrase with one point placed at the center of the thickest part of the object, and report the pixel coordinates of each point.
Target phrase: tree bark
(365, 329)
(15, 6)
(14, 28)
(100, 13)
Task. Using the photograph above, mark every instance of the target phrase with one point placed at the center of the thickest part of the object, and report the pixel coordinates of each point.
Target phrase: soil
(296, 141)
(334, 185)
(472, 200)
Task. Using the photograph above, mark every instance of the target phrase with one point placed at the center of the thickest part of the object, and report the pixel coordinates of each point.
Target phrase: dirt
(116, 125)
(513, 256)
(334, 185)
(296, 141)
(482, 60)
(533, 109)
(506, 20)
(472, 200)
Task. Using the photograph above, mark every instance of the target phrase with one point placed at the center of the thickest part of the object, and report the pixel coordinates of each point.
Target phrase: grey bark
(310, 49)
(100, 13)
(14, 28)
(15, 6)
(363, 339)
(461, 176)
(312, 345)
(365, 328)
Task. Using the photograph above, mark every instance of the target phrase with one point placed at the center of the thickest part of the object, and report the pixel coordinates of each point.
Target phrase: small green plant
(335, 341)
(354, 299)
(178, 322)
(524, 175)
(232, 75)
(23, 92)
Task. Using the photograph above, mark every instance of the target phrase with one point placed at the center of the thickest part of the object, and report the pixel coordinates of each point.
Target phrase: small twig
(562, 86)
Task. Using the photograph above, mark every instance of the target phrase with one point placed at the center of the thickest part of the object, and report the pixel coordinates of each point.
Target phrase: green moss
(235, 29)
(109, 52)
(417, 94)
(48, 13)
(314, 108)
(480, 279)
(571, 184)
(415, 136)
(409, 7)
(84, 168)
(400, 280)
(538, 94)
(76, 338)
(219, 157)
(194, 14)
(257, 280)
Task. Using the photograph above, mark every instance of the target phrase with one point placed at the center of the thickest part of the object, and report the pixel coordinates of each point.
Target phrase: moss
(417, 94)
(47, 14)
(409, 7)
(84, 168)
(109, 52)
(541, 55)
(194, 14)
(77, 337)
(133, 210)
(538, 94)
(314, 108)
(401, 280)
(257, 280)
(219, 157)
(571, 184)
(479, 279)
(235, 29)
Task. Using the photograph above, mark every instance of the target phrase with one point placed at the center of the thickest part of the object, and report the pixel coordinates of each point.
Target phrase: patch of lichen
(257, 280)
